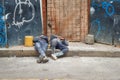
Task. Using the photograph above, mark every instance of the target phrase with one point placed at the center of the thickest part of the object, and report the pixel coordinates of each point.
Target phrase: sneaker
(54, 56)
(40, 59)
(45, 59)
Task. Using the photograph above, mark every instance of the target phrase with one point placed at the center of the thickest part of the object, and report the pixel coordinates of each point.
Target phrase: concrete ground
(66, 68)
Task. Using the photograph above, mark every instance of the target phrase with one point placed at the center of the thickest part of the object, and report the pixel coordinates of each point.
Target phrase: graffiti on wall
(102, 19)
(3, 39)
(106, 6)
(98, 24)
(19, 12)
(23, 18)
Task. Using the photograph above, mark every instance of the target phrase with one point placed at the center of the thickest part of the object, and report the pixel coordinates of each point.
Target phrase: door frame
(44, 16)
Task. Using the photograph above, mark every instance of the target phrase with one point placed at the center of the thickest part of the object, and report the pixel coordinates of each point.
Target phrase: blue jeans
(41, 47)
(57, 44)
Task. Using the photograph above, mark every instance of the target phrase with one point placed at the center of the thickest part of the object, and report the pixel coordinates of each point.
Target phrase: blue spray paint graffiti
(100, 28)
(107, 6)
(96, 23)
(102, 19)
(3, 40)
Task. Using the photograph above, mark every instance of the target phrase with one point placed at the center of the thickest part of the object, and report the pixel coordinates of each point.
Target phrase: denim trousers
(56, 42)
(41, 47)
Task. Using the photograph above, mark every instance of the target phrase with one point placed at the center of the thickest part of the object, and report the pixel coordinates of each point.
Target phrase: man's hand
(61, 38)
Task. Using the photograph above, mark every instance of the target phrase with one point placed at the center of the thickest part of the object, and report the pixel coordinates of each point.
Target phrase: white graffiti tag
(21, 15)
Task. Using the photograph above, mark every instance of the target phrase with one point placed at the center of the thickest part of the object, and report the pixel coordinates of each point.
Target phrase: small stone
(89, 39)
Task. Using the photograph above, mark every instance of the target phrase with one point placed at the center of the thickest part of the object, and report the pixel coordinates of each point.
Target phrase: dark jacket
(37, 39)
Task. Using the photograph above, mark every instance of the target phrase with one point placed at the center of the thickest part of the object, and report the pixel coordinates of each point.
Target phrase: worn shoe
(54, 56)
(40, 59)
(45, 60)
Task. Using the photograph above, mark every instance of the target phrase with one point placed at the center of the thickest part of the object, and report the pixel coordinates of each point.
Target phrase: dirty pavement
(67, 68)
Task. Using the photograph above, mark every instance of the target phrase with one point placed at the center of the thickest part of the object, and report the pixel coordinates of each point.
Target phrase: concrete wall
(105, 21)
(22, 17)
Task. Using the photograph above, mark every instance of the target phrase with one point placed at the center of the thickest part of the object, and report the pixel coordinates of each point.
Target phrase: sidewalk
(75, 49)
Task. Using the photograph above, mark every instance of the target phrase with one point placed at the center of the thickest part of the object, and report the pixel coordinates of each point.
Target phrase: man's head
(44, 37)
(56, 36)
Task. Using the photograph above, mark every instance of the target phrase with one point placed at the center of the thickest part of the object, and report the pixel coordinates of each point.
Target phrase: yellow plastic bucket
(28, 41)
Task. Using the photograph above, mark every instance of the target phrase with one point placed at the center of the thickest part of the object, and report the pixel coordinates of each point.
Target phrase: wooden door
(68, 18)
